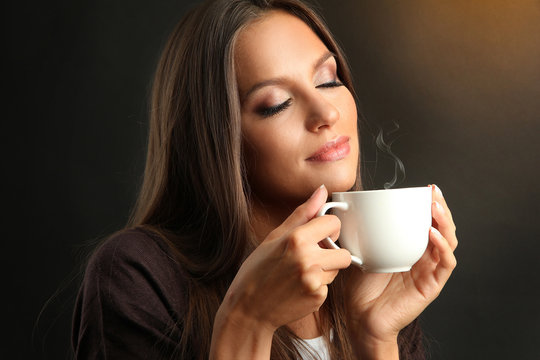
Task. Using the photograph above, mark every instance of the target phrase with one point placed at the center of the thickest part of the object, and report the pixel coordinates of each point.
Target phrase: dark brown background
(460, 77)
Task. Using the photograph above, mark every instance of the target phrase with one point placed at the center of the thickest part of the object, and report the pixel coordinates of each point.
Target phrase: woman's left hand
(380, 305)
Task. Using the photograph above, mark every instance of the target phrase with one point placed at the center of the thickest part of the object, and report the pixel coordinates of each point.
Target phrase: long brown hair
(195, 193)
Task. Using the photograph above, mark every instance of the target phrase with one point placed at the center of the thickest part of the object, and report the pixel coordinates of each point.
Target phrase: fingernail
(316, 191)
(438, 206)
(436, 232)
(437, 190)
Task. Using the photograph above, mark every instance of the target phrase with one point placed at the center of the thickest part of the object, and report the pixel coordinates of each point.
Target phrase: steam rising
(385, 147)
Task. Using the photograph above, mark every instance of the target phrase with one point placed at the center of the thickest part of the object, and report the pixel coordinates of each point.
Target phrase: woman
(252, 110)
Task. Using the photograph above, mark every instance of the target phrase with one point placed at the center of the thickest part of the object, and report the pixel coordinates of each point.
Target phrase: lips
(333, 150)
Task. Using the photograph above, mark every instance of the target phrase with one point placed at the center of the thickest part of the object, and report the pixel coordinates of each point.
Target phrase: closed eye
(273, 110)
(330, 84)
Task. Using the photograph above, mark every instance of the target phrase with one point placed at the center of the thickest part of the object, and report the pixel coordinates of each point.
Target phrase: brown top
(130, 301)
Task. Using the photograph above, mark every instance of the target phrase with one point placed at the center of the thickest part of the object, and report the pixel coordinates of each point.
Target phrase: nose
(322, 113)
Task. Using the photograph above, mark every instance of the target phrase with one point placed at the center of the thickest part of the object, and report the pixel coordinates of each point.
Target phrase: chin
(340, 176)
(338, 183)
(339, 187)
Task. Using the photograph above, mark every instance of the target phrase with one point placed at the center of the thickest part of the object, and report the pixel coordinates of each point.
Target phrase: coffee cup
(386, 231)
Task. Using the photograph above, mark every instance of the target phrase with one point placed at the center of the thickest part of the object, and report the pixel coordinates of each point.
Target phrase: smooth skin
(279, 60)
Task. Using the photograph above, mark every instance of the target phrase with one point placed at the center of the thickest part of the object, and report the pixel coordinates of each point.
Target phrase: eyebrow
(279, 80)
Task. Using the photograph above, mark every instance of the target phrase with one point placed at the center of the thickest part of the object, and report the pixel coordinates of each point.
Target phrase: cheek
(349, 112)
(350, 126)
(269, 160)
(272, 137)
(266, 148)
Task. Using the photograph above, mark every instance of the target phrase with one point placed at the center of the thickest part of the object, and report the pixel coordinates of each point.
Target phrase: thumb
(307, 210)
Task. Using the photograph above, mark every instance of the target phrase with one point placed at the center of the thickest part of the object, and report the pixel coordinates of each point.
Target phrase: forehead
(275, 45)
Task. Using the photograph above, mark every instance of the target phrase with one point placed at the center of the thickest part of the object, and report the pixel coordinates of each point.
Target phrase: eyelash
(274, 110)
(330, 84)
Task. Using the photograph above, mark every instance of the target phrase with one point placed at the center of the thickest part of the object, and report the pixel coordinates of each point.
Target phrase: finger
(316, 230)
(333, 237)
(327, 277)
(445, 224)
(315, 278)
(320, 295)
(312, 279)
(437, 195)
(429, 259)
(305, 212)
(304, 241)
(447, 260)
(335, 259)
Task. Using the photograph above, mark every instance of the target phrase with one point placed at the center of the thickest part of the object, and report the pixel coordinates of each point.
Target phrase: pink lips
(332, 150)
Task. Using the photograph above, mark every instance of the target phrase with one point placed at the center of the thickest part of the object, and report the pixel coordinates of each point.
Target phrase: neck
(267, 217)
(308, 327)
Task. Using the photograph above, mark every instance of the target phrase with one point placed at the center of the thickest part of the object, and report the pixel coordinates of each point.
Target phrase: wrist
(237, 335)
(367, 346)
(376, 350)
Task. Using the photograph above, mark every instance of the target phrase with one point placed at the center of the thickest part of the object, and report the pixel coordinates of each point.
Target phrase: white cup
(386, 231)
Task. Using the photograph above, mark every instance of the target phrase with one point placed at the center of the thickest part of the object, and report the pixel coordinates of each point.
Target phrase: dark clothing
(130, 302)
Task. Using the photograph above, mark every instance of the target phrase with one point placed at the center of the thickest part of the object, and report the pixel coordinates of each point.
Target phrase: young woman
(252, 111)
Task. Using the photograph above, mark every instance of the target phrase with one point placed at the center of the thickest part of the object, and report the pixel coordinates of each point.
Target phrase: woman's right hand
(286, 277)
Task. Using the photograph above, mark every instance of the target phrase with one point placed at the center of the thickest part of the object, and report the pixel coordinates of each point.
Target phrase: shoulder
(135, 261)
(133, 244)
(132, 300)
(134, 248)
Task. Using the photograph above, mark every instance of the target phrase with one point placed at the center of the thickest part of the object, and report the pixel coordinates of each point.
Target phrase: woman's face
(298, 120)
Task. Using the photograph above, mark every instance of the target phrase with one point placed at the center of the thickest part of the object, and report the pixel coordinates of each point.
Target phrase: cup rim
(382, 190)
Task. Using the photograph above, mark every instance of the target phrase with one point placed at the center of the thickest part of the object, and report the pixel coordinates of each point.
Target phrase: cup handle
(328, 242)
